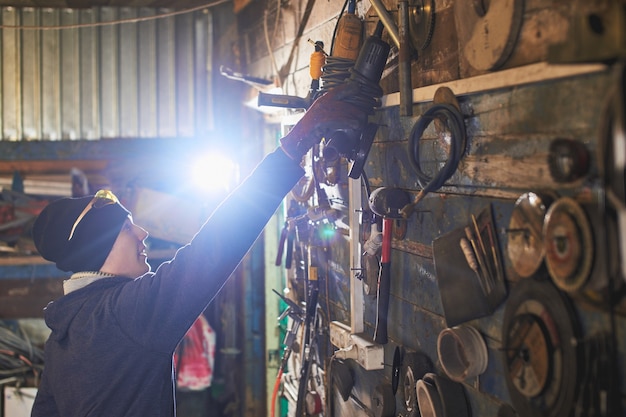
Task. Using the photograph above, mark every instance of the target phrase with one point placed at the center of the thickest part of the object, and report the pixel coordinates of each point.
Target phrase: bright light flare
(214, 173)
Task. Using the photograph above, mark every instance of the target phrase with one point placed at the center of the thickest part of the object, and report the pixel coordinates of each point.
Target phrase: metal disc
(488, 32)
(529, 368)
(342, 379)
(525, 235)
(414, 366)
(395, 370)
(569, 244)
(540, 353)
(421, 22)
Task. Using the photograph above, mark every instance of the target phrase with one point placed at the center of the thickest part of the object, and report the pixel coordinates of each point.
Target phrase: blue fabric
(112, 342)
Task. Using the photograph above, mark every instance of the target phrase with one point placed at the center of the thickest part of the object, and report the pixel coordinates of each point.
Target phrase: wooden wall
(543, 73)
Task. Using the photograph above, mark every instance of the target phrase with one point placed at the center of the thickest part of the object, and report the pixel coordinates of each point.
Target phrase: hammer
(386, 203)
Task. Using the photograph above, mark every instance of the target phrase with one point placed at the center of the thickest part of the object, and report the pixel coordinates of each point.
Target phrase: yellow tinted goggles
(101, 199)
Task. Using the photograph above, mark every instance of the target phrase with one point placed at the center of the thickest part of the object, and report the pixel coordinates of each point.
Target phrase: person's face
(128, 256)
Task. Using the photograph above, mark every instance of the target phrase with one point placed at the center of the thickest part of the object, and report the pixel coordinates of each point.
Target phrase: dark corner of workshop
(463, 255)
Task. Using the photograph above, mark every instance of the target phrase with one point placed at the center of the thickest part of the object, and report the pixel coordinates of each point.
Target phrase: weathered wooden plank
(22, 298)
(23, 260)
(509, 133)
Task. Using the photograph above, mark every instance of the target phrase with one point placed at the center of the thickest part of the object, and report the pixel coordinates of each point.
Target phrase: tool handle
(281, 245)
(289, 254)
(281, 100)
(384, 284)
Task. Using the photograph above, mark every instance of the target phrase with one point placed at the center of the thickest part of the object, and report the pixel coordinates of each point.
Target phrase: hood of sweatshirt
(61, 313)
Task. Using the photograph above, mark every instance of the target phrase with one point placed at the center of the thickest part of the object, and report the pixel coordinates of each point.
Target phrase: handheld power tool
(366, 73)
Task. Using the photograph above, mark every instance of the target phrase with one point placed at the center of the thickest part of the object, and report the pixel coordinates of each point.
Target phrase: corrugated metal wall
(83, 74)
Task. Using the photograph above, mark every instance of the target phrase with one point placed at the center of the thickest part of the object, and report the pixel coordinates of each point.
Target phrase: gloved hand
(328, 116)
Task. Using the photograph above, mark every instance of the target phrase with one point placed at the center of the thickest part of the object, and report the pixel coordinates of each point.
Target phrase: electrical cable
(270, 51)
(275, 392)
(116, 22)
(457, 145)
(18, 356)
(456, 125)
(336, 71)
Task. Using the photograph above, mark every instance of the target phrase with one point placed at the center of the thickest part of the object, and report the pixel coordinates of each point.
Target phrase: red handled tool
(386, 203)
(384, 283)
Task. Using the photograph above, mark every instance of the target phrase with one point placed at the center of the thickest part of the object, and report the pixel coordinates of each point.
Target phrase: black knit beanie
(93, 237)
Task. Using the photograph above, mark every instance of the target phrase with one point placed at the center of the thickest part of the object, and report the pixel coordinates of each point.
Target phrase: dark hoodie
(112, 342)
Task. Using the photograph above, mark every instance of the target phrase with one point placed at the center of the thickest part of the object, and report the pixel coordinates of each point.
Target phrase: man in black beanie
(115, 330)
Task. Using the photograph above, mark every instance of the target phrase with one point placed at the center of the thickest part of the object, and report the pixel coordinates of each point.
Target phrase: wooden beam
(21, 298)
(514, 77)
(23, 260)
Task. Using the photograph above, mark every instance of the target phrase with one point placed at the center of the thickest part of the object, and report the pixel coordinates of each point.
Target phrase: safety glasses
(101, 199)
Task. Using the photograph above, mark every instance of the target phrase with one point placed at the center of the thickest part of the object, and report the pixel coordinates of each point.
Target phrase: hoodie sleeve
(158, 309)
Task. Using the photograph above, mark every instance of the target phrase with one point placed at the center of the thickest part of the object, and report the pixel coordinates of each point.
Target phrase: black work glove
(329, 116)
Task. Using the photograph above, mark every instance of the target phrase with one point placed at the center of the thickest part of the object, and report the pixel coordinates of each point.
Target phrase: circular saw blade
(525, 246)
(421, 22)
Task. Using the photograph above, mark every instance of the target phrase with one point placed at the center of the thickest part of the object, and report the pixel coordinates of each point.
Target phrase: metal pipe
(387, 21)
(406, 90)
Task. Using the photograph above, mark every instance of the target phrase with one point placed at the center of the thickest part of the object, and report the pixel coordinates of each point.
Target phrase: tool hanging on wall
(595, 33)
(413, 31)
(327, 71)
(366, 73)
(541, 350)
(569, 244)
(347, 43)
(438, 396)
(421, 22)
(468, 293)
(371, 248)
(386, 203)
(309, 348)
(488, 31)
(446, 115)
(568, 160)
(246, 78)
(462, 352)
(525, 246)
(413, 368)
(404, 59)
(288, 234)
(316, 63)
(296, 314)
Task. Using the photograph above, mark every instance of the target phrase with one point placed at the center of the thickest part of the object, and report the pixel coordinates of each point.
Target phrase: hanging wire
(456, 125)
(18, 356)
(268, 39)
(117, 22)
